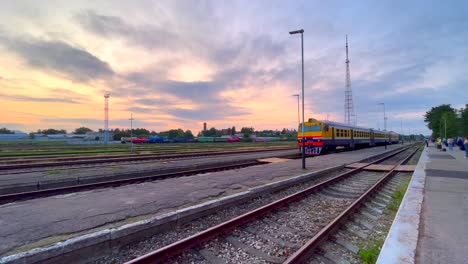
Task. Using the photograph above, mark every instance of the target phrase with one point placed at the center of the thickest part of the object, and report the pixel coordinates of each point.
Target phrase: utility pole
(445, 121)
(106, 118)
(384, 116)
(301, 31)
(298, 112)
(401, 129)
(131, 132)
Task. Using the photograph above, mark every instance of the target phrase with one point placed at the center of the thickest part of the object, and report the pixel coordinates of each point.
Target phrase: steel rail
(173, 249)
(97, 160)
(13, 197)
(306, 251)
(55, 157)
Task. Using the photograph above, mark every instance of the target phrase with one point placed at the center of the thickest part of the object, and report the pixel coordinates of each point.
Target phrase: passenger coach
(323, 136)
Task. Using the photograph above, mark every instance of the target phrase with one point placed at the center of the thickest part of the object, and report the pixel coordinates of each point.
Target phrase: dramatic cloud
(212, 112)
(148, 36)
(59, 57)
(37, 99)
(92, 122)
(234, 63)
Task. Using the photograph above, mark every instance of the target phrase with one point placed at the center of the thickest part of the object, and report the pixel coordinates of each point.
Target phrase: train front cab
(313, 137)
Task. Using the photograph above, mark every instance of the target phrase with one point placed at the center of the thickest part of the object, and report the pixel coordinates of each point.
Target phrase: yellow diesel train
(321, 136)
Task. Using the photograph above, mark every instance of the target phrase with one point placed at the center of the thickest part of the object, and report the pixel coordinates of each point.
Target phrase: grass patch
(370, 250)
(397, 197)
(370, 254)
(53, 172)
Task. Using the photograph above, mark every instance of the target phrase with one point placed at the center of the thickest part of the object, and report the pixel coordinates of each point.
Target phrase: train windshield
(313, 128)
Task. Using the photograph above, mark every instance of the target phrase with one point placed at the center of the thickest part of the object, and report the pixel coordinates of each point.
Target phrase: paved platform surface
(431, 225)
(444, 225)
(26, 222)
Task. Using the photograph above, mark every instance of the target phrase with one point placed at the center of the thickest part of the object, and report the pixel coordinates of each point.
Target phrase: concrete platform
(431, 225)
(58, 218)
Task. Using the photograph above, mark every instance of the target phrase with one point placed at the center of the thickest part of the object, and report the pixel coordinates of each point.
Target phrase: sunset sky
(177, 64)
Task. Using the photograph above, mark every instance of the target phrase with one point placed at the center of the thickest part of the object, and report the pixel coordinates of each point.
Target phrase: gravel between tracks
(162, 239)
(302, 218)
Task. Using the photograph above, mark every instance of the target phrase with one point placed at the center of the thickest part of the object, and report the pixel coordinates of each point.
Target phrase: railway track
(83, 186)
(87, 161)
(291, 229)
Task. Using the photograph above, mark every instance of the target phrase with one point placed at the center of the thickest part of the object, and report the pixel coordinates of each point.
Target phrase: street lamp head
(296, 31)
(295, 95)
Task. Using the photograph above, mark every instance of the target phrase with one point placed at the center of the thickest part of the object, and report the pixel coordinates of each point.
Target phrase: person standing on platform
(439, 144)
(460, 143)
(450, 143)
(466, 147)
(427, 143)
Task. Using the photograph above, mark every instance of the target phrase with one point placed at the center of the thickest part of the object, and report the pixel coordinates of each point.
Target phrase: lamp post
(131, 132)
(445, 122)
(298, 118)
(301, 31)
(384, 116)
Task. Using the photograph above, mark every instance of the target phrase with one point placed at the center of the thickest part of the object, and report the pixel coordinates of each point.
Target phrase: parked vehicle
(140, 140)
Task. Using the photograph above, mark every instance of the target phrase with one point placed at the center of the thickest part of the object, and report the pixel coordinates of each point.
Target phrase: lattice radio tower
(350, 117)
(106, 118)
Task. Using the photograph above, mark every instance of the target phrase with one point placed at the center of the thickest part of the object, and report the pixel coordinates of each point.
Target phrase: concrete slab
(406, 168)
(273, 160)
(356, 165)
(380, 167)
(26, 222)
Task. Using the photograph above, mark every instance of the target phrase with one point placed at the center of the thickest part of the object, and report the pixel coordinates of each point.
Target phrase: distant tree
(120, 133)
(449, 124)
(51, 131)
(462, 121)
(212, 132)
(247, 130)
(435, 119)
(188, 134)
(233, 130)
(172, 134)
(4, 130)
(82, 130)
(141, 132)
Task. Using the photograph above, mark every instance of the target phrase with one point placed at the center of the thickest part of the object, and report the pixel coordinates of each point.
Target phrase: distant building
(18, 135)
(204, 126)
(98, 136)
